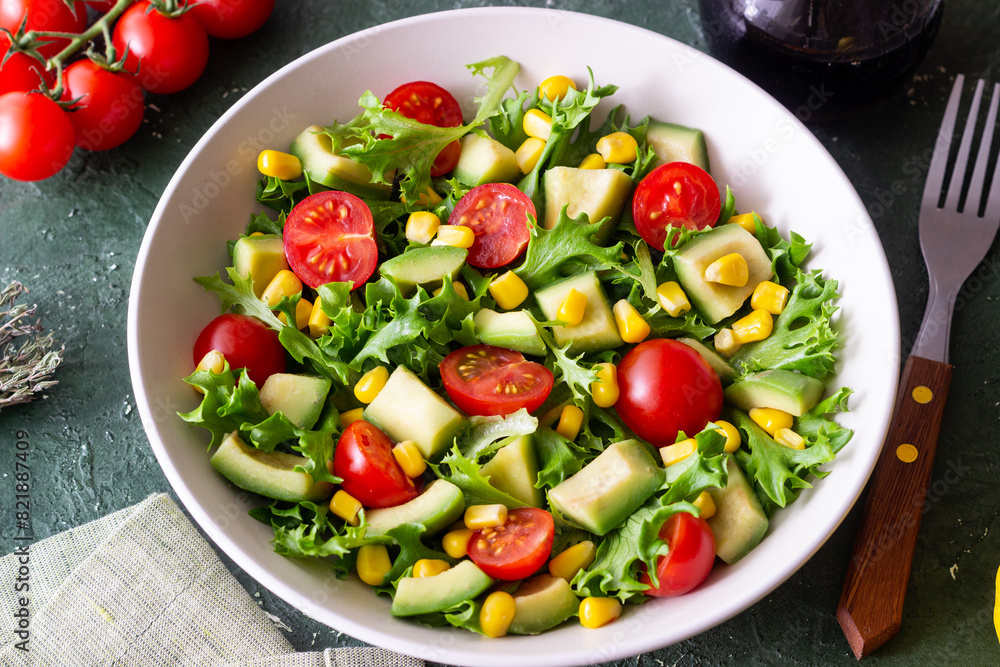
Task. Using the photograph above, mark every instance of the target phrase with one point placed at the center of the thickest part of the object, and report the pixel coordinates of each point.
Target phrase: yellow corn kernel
(605, 390)
(409, 458)
(429, 197)
(570, 421)
(280, 165)
(678, 451)
(732, 434)
(755, 326)
(214, 361)
(771, 420)
(509, 291)
(429, 567)
(345, 506)
(257, 234)
(459, 289)
(284, 283)
(528, 154)
(537, 124)
(572, 560)
(632, 327)
(497, 613)
(351, 416)
(673, 299)
(551, 416)
(573, 307)
(769, 296)
(303, 311)
(458, 236)
(373, 563)
(746, 221)
(705, 504)
(593, 161)
(485, 516)
(617, 148)
(319, 322)
(456, 543)
(555, 87)
(729, 269)
(370, 384)
(726, 343)
(789, 438)
(421, 227)
(598, 612)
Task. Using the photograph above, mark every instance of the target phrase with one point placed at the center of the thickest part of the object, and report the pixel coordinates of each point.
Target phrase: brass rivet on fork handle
(953, 243)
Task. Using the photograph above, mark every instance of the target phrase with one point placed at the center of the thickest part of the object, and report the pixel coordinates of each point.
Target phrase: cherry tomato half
(110, 107)
(47, 15)
(36, 137)
(518, 548)
(690, 559)
(21, 71)
(330, 237)
(666, 387)
(245, 342)
(498, 214)
(487, 380)
(678, 194)
(230, 19)
(167, 54)
(363, 459)
(430, 104)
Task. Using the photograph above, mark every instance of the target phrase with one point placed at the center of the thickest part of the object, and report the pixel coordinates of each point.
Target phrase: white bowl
(773, 163)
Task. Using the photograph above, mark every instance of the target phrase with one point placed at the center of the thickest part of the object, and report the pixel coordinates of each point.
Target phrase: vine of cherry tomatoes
(57, 93)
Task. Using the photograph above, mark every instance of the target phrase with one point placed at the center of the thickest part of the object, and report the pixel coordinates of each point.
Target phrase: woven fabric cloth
(140, 588)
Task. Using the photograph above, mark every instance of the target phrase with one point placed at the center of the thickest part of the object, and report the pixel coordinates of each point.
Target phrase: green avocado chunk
(426, 595)
(270, 474)
(298, 397)
(407, 409)
(600, 193)
(677, 143)
(597, 331)
(739, 522)
(440, 505)
(485, 160)
(513, 330)
(609, 488)
(314, 150)
(792, 392)
(429, 267)
(714, 300)
(541, 603)
(514, 470)
(261, 258)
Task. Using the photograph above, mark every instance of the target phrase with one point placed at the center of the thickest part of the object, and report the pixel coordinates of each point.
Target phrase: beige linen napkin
(141, 588)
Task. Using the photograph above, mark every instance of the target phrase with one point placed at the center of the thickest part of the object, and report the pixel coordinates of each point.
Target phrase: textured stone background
(73, 239)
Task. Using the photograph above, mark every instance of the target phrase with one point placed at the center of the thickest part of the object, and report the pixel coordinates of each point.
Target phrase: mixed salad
(515, 370)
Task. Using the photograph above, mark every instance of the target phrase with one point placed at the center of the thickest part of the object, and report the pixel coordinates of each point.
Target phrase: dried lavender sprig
(25, 366)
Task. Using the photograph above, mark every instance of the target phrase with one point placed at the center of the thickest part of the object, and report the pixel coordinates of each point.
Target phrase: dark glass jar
(823, 59)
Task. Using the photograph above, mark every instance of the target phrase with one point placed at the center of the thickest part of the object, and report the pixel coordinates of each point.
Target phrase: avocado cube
(428, 267)
(485, 160)
(426, 595)
(513, 330)
(260, 258)
(314, 149)
(600, 193)
(270, 474)
(792, 392)
(677, 143)
(739, 522)
(541, 603)
(609, 488)
(598, 329)
(440, 505)
(298, 397)
(514, 470)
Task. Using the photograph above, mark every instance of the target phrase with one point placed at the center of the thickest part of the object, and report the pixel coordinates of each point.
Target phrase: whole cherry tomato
(21, 71)
(47, 15)
(690, 557)
(230, 19)
(110, 105)
(167, 54)
(36, 136)
(245, 342)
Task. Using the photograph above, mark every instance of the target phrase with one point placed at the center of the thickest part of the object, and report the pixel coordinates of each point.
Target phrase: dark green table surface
(73, 240)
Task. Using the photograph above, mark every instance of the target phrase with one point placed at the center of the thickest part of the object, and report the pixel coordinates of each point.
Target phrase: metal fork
(954, 239)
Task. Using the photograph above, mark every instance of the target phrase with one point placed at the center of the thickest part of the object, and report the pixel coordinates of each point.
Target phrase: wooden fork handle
(871, 603)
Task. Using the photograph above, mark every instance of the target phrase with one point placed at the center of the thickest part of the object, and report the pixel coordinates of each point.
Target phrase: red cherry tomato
(110, 107)
(690, 559)
(36, 137)
(169, 54)
(431, 104)
(363, 459)
(487, 380)
(498, 214)
(666, 387)
(102, 6)
(230, 19)
(330, 237)
(21, 71)
(245, 342)
(48, 15)
(678, 194)
(518, 548)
